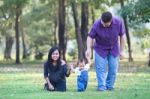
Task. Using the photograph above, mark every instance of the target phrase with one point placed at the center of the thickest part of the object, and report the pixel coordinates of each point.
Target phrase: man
(109, 35)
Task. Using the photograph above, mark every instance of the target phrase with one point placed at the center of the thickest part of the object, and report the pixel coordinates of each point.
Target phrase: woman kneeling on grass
(55, 71)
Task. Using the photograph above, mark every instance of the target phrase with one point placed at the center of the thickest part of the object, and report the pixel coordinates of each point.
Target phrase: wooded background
(32, 27)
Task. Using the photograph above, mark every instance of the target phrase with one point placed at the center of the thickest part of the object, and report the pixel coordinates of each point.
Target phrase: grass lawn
(26, 82)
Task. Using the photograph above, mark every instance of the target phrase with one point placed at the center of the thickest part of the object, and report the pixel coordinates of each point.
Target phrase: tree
(61, 31)
(137, 11)
(8, 48)
(23, 37)
(40, 25)
(84, 24)
(16, 6)
(81, 36)
(127, 33)
(9, 37)
(7, 32)
(77, 30)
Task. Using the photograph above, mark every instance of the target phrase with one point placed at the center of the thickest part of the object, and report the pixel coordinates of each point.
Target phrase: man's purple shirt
(106, 38)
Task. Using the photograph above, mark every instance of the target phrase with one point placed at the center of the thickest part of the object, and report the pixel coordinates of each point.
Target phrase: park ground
(25, 81)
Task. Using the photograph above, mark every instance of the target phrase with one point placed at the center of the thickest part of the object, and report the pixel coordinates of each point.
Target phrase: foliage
(137, 10)
(39, 18)
(39, 23)
(143, 34)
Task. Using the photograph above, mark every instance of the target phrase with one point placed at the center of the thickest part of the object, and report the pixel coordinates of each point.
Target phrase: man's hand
(88, 54)
(122, 55)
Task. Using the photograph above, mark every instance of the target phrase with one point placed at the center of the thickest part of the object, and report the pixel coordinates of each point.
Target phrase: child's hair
(80, 61)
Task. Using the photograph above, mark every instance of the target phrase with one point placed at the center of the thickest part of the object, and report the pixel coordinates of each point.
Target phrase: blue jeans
(106, 79)
(59, 86)
(82, 81)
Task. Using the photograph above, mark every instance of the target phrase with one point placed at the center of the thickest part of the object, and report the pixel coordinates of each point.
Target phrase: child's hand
(88, 60)
(87, 66)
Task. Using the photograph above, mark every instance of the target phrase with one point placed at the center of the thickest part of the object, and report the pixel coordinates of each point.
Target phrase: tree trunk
(127, 34)
(61, 31)
(55, 32)
(84, 24)
(17, 36)
(93, 20)
(77, 30)
(149, 59)
(23, 41)
(93, 16)
(24, 47)
(8, 48)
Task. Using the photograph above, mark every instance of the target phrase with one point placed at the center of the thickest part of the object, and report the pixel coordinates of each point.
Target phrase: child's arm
(87, 66)
(74, 70)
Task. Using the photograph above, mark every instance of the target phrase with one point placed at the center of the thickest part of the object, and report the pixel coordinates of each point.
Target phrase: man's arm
(89, 45)
(122, 46)
(89, 42)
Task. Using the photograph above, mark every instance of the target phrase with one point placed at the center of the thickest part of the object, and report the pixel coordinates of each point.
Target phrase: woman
(55, 71)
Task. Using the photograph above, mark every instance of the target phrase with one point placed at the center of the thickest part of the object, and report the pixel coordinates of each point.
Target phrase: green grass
(26, 82)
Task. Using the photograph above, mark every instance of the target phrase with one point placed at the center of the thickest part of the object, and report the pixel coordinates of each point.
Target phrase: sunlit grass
(25, 81)
(30, 85)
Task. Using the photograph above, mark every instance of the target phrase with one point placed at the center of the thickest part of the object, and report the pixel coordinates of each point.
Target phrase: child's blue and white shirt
(78, 71)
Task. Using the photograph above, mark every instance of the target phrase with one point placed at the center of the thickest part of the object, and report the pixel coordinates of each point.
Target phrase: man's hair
(106, 17)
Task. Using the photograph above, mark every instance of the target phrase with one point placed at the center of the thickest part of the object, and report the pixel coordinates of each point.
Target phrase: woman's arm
(46, 77)
(51, 87)
(66, 69)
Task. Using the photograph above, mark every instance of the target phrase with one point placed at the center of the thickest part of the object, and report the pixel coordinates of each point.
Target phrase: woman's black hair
(50, 60)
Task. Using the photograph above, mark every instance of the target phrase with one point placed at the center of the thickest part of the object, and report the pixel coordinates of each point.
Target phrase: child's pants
(82, 81)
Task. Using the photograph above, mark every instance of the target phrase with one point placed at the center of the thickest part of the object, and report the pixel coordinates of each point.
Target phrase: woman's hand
(71, 67)
(51, 87)
(63, 62)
